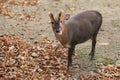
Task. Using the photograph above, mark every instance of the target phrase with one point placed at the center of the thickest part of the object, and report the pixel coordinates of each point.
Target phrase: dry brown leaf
(1, 1)
(11, 1)
(73, 8)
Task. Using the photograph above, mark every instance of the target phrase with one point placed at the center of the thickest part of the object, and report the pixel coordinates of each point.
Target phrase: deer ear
(51, 16)
(67, 16)
(61, 16)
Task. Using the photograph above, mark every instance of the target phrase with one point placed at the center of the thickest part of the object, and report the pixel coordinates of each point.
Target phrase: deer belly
(82, 37)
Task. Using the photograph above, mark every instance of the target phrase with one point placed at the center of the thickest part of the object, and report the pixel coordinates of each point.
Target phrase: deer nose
(57, 30)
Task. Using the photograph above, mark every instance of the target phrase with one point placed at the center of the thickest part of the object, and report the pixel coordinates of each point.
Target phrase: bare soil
(108, 40)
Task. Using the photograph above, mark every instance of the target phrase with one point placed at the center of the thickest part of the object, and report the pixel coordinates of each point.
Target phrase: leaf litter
(7, 5)
(19, 60)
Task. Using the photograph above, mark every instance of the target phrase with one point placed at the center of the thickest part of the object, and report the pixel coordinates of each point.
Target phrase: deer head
(57, 22)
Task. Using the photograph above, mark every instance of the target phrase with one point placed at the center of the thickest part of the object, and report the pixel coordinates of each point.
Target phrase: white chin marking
(60, 33)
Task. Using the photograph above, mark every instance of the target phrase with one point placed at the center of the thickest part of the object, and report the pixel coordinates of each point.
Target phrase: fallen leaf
(72, 8)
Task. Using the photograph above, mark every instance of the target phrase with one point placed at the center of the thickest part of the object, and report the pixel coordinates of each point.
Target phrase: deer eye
(52, 22)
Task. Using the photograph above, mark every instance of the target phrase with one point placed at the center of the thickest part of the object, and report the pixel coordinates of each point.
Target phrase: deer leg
(93, 48)
(70, 53)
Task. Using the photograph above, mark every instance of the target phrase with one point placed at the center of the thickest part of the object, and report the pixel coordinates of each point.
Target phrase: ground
(108, 39)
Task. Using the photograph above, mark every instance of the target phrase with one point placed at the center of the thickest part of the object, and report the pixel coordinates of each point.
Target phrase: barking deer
(76, 29)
